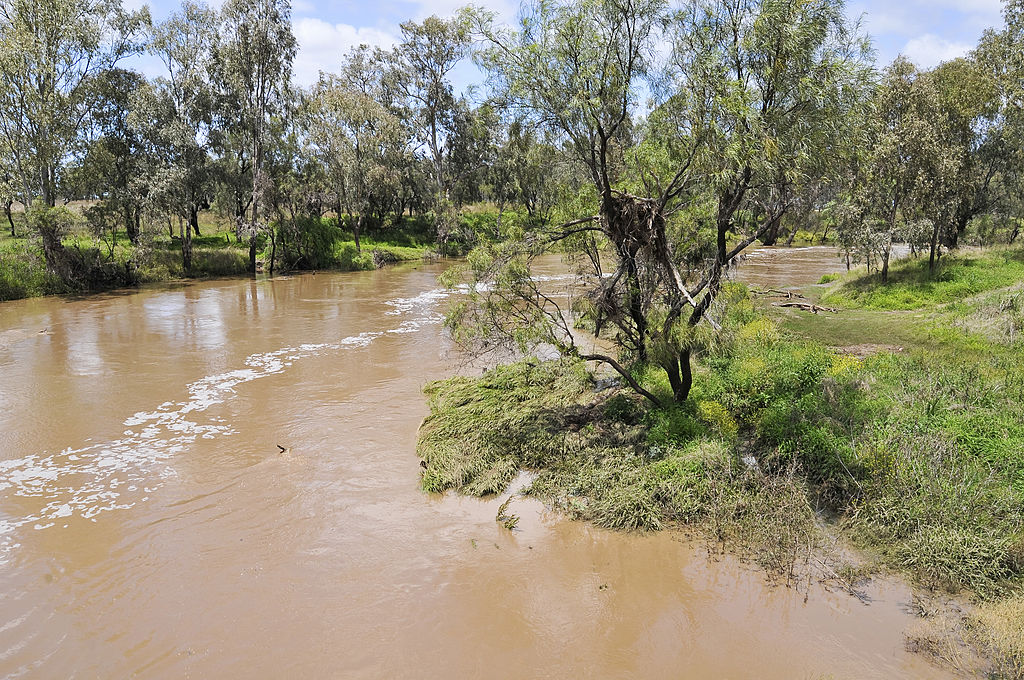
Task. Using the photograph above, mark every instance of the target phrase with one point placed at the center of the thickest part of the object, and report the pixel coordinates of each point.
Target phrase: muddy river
(151, 527)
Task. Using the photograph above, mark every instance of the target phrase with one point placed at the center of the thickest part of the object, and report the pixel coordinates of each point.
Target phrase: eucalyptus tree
(424, 60)
(752, 97)
(885, 203)
(114, 166)
(252, 65)
(359, 137)
(51, 52)
(966, 151)
(175, 116)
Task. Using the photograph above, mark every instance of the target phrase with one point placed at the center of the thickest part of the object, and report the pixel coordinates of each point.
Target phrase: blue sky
(927, 31)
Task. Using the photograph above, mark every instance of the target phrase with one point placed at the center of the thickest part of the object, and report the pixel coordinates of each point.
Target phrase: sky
(926, 31)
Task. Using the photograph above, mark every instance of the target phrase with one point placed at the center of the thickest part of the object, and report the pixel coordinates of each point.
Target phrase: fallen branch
(788, 294)
(807, 307)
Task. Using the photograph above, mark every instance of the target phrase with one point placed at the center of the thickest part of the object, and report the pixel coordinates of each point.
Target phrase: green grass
(912, 286)
(216, 253)
(23, 272)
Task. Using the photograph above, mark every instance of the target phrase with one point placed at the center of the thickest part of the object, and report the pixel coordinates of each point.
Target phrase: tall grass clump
(998, 629)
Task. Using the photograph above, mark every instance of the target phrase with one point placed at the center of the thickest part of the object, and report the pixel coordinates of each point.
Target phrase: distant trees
(673, 137)
(941, 149)
(422, 65)
(355, 127)
(115, 164)
(177, 115)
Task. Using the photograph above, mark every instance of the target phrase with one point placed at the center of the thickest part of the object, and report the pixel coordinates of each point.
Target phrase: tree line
(225, 127)
(672, 136)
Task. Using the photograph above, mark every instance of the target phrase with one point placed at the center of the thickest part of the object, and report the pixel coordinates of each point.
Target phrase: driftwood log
(807, 306)
(772, 292)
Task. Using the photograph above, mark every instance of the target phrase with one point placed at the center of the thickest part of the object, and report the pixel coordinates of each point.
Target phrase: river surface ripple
(150, 527)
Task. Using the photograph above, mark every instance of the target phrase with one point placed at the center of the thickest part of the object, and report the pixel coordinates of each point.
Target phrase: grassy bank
(900, 429)
(216, 253)
(912, 286)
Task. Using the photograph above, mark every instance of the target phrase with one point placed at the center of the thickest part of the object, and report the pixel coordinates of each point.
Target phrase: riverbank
(216, 253)
(895, 425)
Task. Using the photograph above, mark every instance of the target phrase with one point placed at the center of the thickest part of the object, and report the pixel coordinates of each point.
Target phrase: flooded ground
(151, 527)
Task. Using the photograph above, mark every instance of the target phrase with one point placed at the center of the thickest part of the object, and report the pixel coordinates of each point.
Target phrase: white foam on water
(102, 477)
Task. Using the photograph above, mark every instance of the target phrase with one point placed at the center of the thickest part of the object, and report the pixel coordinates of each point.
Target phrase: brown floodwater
(781, 267)
(150, 527)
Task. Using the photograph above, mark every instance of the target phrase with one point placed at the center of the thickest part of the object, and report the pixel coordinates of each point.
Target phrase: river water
(150, 526)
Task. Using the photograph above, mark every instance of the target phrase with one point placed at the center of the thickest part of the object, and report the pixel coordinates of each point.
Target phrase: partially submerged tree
(883, 206)
(754, 93)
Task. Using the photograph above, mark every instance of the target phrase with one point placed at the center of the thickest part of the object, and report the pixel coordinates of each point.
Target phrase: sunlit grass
(912, 286)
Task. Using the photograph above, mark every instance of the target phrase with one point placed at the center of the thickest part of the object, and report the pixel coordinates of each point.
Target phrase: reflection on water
(150, 526)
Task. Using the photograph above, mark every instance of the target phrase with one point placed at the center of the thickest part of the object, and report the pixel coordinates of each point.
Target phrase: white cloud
(887, 19)
(930, 50)
(322, 45)
(506, 10)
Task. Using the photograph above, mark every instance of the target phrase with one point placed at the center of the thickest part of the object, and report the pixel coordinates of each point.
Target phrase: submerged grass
(901, 430)
(594, 459)
(921, 456)
(998, 628)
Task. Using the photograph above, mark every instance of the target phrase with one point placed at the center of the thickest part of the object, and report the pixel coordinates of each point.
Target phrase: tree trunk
(251, 268)
(931, 248)
(671, 368)
(273, 250)
(356, 228)
(186, 240)
(771, 237)
(885, 266)
(239, 215)
(131, 225)
(679, 376)
(10, 217)
(54, 253)
(685, 377)
(1014, 234)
